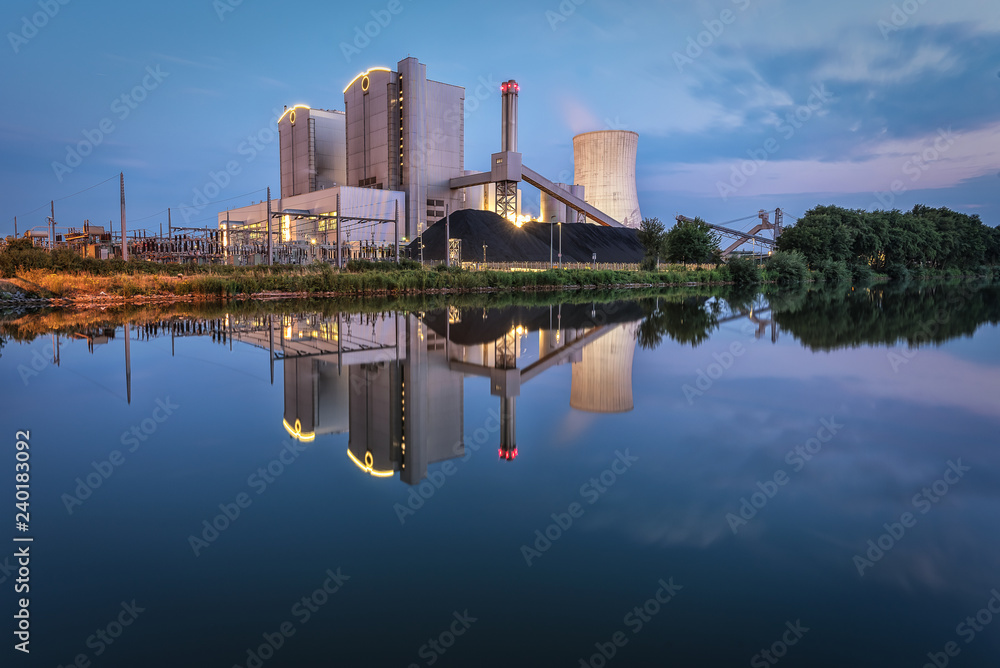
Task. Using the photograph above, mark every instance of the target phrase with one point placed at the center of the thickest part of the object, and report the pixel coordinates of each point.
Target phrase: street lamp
(560, 244)
(551, 220)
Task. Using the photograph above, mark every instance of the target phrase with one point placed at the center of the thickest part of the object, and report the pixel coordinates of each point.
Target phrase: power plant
(365, 181)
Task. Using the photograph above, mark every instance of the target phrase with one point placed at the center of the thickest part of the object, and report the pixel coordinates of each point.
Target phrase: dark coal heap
(529, 243)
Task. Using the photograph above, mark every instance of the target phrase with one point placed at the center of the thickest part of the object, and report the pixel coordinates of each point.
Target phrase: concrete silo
(550, 206)
(604, 164)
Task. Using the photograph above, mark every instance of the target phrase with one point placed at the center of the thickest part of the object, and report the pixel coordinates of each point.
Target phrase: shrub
(862, 274)
(835, 272)
(898, 272)
(788, 267)
(743, 271)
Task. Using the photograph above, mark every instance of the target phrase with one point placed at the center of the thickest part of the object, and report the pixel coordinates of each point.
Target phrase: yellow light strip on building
(366, 73)
(296, 432)
(298, 106)
(369, 469)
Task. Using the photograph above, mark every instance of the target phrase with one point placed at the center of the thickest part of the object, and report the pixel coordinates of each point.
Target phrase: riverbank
(262, 283)
(147, 283)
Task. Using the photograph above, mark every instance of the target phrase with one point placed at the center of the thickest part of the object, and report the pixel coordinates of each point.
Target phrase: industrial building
(400, 141)
(312, 145)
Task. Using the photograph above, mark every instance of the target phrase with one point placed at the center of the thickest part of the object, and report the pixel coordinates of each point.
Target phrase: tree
(825, 233)
(690, 242)
(651, 236)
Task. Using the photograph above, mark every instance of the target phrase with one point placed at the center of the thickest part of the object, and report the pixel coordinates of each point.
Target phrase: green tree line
(924, 237)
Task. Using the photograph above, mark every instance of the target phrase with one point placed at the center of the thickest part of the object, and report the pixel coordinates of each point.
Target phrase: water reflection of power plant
(395, 381)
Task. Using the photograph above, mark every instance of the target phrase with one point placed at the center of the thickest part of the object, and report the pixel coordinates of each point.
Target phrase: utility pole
(15, 227)
(337, 221)
(52, 225)
(170, 225)
(269, 226)
(447, 236)
(124, 236)
(396, 218)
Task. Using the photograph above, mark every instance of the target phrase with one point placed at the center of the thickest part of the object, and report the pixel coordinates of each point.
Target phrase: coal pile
(529, 243)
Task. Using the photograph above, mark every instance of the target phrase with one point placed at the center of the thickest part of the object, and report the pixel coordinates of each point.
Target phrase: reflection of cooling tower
(604, 163)
(602, 382)
(553, 207)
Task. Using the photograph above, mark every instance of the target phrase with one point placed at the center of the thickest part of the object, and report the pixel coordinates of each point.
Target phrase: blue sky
(739, 104)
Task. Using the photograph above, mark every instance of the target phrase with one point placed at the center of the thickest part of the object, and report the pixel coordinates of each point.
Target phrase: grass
(146, 281)
(365, 280)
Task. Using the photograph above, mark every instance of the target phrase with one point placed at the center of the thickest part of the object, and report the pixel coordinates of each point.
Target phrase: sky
(740, 105)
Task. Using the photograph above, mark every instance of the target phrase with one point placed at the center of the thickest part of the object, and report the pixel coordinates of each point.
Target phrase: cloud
(873, 167)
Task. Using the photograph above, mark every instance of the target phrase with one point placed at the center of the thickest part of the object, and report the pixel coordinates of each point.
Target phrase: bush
(862, 274)
(743, 271)
(835, 272)
(788, 267)
(898, 273)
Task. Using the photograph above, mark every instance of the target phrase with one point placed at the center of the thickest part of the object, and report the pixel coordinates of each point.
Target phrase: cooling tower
(602, 380)
(604, 163)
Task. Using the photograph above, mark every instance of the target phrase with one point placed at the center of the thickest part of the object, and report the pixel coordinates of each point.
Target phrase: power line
(218, 201)
(59, 199)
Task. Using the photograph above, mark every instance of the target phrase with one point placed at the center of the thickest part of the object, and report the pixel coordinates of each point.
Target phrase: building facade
(407, 133)
(313, 148)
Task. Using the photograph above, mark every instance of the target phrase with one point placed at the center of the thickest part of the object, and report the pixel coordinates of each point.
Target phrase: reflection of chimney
(508, 428)
(602, 381)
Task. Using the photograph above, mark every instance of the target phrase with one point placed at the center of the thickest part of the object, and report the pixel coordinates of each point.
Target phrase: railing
(543, 266)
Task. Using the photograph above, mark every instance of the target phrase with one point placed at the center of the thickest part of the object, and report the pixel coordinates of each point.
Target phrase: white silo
(604, 164)
(550, 206)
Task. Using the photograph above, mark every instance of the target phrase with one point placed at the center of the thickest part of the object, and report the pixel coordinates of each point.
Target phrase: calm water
(688, 480)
